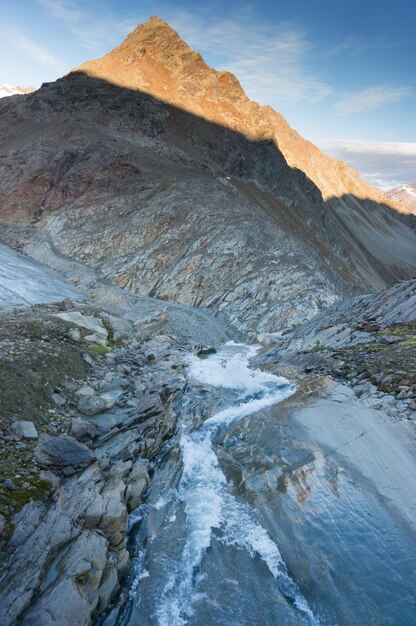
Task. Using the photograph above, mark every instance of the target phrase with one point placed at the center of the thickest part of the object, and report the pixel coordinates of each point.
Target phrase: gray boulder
(82, 430)
(63, 453)
(25, 429)
(138, 482)
(92, 405)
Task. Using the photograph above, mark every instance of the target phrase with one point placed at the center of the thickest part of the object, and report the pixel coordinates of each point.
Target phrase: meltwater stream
(208, 503)
(260, 516)
(196, 515)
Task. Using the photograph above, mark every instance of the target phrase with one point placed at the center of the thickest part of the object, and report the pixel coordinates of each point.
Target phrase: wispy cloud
(272, 62)
(94, 28)
(64, 10)
(371, 98)
(356, 46)
(35, 50)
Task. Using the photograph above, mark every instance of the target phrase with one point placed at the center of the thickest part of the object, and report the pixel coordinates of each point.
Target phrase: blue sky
(341, 71)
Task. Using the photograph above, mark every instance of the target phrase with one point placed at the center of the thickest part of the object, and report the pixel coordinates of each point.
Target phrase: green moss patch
(101, 350)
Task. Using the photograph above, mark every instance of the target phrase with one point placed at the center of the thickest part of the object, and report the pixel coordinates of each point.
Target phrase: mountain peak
(154, 59)
(153, 29)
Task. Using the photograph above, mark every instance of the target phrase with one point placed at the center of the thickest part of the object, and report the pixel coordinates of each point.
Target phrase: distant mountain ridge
(9, 90)
(160, 172)
(405, 196)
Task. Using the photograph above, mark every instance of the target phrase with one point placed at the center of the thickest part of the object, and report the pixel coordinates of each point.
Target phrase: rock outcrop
(63, 536)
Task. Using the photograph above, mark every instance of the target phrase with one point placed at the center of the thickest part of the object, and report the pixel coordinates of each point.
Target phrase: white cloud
(271, 62)
(405, 148)
(36, 51)
(385, 164)
(371, 98)
(377, 180)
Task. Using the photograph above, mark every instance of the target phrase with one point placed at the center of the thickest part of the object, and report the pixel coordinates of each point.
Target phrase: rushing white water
(203, 488)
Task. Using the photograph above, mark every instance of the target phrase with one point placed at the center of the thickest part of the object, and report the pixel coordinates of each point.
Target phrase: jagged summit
(155, 59)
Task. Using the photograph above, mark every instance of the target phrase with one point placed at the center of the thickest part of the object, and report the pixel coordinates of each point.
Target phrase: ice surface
(24, 281)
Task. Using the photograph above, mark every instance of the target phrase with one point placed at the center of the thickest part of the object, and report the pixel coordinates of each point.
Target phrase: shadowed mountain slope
(184, 193)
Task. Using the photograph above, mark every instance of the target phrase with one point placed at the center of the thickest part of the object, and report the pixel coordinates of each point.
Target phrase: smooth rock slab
(89, 322)
(63, 452)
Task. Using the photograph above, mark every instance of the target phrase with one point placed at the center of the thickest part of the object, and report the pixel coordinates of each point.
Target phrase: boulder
(88, 322)
(113, 523)
(390, 339)
(66, 305)
(109, 586)
(82, 430)
(59, 606)
(25, 429)
(63, 453)
(85, 392)
(139, 389)
(138, 482)
(58, 399)
(401, 395)
(92, 405)
(202, 351)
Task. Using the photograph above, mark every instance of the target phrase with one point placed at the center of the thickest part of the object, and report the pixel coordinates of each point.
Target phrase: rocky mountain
(405, 196)
(143, 441)
(8, 90)
(158, 171)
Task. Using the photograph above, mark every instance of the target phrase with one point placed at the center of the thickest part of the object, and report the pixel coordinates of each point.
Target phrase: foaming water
(208, 503)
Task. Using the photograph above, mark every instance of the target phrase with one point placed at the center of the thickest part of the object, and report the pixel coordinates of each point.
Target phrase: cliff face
(160, 172)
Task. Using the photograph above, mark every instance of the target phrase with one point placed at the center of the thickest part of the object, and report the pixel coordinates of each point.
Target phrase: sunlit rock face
(159, 171)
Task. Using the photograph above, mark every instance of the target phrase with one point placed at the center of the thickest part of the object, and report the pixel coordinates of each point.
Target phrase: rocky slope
(89, 398)
(92, 389)
(159, 172)
(368, 341)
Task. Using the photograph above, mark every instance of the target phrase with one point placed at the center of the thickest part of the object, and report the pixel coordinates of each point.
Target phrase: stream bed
(256, 516)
